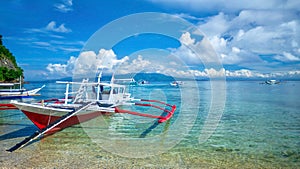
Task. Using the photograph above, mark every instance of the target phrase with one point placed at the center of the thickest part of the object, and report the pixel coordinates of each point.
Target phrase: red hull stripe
(7, 106)
(41, 120)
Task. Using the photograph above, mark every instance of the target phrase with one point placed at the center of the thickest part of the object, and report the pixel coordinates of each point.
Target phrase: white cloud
(219, 44)
(61, 28)
(108, 58)
(261, 37)
(57, 68)
(49, 28)
(173, 68)
(56, 43)
(229, 6)
(287, 57)
(186, 39)
(262, 17)
(65, 6)
(62, 70)
(86, 64)
(195, 52)
(215, 25)
(186, 54)
(214, 73)
(135, 65)
(189, 17)
(254, 33)
(242, 73)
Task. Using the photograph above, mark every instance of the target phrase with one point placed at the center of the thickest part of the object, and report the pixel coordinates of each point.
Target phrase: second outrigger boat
(91, 100)
(7, 91)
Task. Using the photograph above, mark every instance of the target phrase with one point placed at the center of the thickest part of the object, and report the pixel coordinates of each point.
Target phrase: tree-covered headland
(9, 70)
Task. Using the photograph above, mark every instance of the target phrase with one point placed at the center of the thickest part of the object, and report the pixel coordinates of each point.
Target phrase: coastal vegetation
(9, 70)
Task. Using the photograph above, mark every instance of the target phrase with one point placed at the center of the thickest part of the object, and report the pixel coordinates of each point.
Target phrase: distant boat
(176, 83)
(8, 91)
(271, 82)
(142, 82)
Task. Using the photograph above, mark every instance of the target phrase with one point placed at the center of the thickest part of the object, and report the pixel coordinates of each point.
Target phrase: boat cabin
(92, 91)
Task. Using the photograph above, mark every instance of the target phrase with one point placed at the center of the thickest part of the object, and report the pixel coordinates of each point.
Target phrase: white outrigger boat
(8, 91)
(91, 100)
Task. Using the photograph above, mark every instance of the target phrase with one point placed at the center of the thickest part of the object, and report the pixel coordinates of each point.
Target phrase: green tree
(5, 73)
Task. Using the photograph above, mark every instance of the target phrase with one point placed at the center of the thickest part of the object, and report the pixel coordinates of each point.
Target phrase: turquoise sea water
(259, 128)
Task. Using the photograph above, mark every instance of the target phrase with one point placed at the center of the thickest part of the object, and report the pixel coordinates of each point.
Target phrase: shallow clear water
(259, 128)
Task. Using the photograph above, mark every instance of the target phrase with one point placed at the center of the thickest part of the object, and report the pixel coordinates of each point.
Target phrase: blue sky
(253, 39)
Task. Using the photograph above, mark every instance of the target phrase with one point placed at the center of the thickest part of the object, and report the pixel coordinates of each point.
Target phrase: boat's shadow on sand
(23, 132)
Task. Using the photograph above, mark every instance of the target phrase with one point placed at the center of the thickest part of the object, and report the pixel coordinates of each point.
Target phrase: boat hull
(43, 116)
(8, 97)
(42, 120)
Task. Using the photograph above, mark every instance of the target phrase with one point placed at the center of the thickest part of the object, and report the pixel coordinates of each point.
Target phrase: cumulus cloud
(62, 70)
(254, 33)
(242, 73)
(215, 25)
(86, 64)
(194, 51)
(166, 65)
(134, 65)
(186, 39)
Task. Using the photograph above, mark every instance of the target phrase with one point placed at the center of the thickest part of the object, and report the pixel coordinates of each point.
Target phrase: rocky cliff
(9, 70)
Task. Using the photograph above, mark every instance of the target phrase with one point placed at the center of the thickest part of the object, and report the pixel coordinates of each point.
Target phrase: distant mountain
(9, 70)
(151, 77)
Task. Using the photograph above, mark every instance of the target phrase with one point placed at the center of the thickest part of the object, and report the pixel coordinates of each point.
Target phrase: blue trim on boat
(12, 90)
(13, 97)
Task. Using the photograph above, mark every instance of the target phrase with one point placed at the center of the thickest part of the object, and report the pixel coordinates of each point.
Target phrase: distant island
(9, 70)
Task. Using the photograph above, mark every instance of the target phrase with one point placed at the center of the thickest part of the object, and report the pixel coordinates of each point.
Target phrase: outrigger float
(92, 99)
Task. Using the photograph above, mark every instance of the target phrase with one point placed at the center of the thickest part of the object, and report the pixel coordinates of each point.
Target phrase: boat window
(115, 91)
(106, 90)
(121, 90)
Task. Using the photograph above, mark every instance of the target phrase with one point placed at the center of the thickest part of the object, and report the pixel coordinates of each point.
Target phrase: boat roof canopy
(90, 83)
(7, 84)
